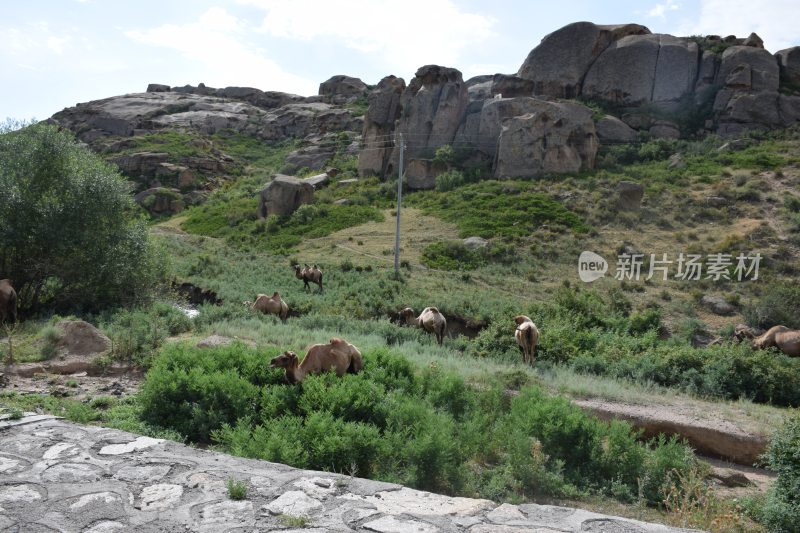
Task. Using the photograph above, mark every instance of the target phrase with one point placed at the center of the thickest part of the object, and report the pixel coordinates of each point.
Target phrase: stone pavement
(60, 476)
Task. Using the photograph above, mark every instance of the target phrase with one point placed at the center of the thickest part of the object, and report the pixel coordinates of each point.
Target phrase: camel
(431, 320)
(273, 305)
(742, 332)
(787, 340)
(8, 301)
(309, 273)
(527, 335)
(338, 355)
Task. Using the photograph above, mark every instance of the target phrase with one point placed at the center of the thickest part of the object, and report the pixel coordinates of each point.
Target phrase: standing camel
(527, 335)
(431, 320)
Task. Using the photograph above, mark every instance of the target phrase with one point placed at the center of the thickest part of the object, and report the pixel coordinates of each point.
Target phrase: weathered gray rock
(640, 69)
(754, 40)
(475, 242)
(664, 129)
(283, 195)
(318, 181)
(745, 67)
(81, 338)
(434, 105)
(300, 120)
(312, 157)
(555, 138)
(704, 88)
(557, 66)
(507, 86)
(495, 112)
(789, 64)
(384, 110)
(717, 304)
(160, 200)
(676, 161)
(629, 195)
(157, 88)
(342, 89)
(481, 91)
(745, 111)
(612, 130)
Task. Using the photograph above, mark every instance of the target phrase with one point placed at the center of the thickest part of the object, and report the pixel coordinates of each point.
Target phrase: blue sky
(56, 53)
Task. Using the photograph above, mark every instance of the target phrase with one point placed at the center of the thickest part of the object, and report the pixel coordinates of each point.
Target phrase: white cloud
(660, 10)
(775, 21)
(402, 35)
(215, 41)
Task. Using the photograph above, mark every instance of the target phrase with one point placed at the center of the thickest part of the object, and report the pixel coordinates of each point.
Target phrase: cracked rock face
(101, 480)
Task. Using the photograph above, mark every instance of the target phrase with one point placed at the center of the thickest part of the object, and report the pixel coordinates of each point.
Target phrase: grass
(491, 209)
(237, 490)
(288, 520)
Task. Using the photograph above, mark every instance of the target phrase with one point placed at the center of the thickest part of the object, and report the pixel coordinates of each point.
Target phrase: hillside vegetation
(471, 419)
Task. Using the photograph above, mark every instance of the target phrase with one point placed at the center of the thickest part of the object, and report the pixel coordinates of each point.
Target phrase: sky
(56, 53)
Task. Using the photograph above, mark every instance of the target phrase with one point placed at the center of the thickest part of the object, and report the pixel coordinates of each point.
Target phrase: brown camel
(431, 320)
(527, 335)
(787, 340)
(309, 273)
(338, 355)
(8, 301)
(274, 305)
(743, 331)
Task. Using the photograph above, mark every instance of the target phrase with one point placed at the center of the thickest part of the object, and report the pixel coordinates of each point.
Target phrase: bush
(782, 509)
(455, 255)
(780, 305)
(71, 235)
(136, 334)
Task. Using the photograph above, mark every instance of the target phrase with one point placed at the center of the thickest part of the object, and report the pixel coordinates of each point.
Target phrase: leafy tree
(71, 237)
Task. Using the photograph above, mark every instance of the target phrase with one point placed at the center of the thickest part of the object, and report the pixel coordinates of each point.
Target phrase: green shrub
(237, 490)
(782, 508)
(136, 334)
(455, 255)
(669, 461)
(780, 305)
(71, 235)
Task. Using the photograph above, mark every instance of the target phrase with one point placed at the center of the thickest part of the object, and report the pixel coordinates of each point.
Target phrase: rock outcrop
(613, 130)
(79, 338)
(283, 195)
(433, 107)
(379, 122)
(555, 138)
(642, 69)
(342, 89)
(558, 65)
(789, 63)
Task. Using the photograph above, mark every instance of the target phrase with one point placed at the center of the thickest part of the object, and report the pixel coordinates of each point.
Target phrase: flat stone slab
(60, 476)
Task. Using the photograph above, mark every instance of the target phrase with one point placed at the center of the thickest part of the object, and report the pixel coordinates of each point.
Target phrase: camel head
(521, 319)
(408, 316)
(285, 360)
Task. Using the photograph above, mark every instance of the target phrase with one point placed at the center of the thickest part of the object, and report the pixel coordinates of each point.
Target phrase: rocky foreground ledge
(60, 476)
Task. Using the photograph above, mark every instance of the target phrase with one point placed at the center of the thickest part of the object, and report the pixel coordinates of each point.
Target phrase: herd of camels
(342, 357)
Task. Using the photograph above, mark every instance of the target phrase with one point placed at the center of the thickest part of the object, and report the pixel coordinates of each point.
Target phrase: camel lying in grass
(431, 320)
(309, 273)
(527, 335)
(338, 355)
(273, 305)
(787, 340)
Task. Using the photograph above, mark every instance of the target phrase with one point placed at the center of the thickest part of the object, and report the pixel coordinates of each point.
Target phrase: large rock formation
(384, 110)
(433, 107)
(342, 89)
(789, 62)
(641, 69)
(555, 138)
(558, 65)
(283, 195)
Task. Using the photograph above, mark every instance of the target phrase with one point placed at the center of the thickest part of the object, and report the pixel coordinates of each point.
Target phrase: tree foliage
(70, 235)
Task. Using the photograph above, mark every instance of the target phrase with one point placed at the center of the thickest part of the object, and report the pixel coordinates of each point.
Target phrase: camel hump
(336, 340)
(276, 294)
(434, 309)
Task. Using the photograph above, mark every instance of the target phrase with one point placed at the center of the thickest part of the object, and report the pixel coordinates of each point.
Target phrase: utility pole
(399, 201)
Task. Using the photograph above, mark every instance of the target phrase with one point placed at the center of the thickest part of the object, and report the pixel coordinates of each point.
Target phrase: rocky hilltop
(583, 86)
